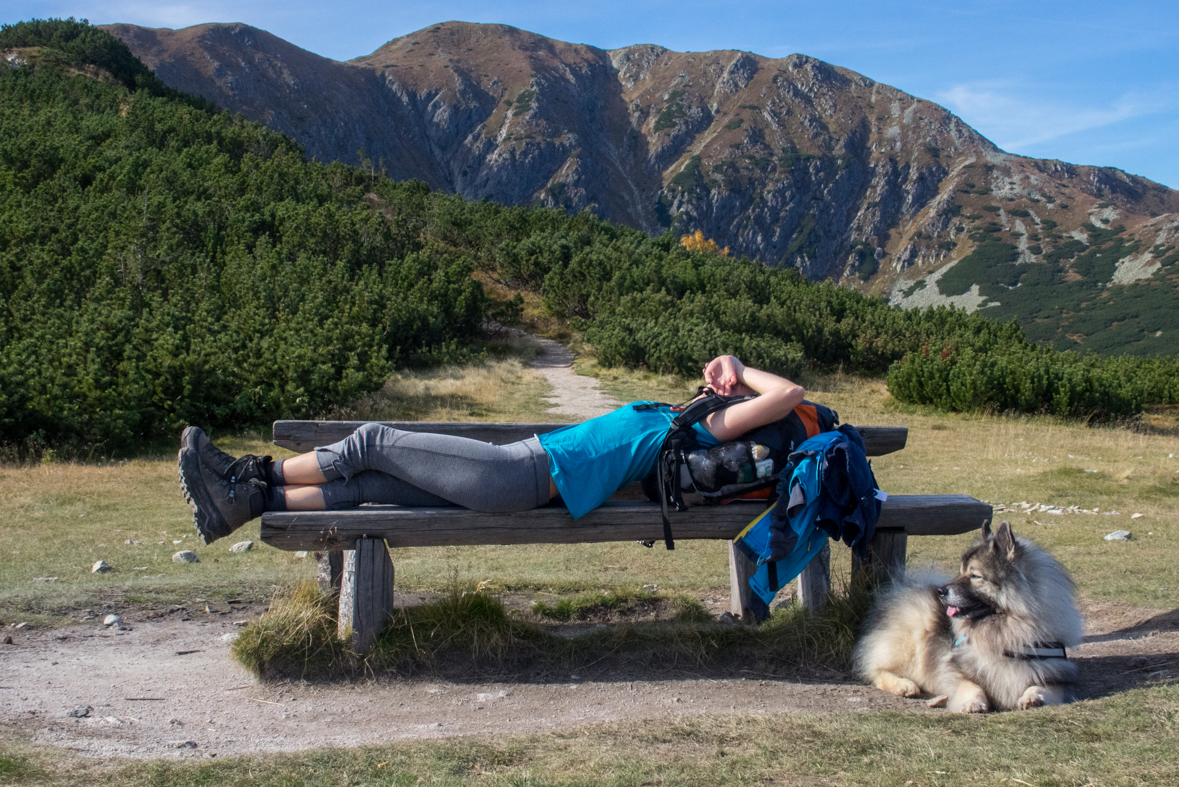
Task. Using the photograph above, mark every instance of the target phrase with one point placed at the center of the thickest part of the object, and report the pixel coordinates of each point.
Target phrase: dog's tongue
(951, 611)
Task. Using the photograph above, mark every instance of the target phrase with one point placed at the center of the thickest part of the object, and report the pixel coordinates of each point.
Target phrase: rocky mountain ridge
(791, 161)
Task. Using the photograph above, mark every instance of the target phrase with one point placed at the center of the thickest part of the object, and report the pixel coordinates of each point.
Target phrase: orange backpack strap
(809, 416)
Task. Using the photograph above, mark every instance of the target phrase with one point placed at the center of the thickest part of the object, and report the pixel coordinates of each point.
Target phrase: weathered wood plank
(814, 583)
(305, 435)
(366, 593)
(741, 568)
(614, 521)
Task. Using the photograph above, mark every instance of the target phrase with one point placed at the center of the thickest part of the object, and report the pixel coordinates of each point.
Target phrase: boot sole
(204, 514)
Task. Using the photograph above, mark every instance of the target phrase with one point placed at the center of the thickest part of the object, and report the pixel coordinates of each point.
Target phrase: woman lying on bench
(584, 463)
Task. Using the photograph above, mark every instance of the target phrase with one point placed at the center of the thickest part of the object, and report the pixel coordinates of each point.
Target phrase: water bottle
(703, 469)
(731, 455)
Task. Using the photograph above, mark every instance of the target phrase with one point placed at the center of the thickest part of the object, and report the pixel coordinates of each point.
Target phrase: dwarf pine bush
(1018, 377)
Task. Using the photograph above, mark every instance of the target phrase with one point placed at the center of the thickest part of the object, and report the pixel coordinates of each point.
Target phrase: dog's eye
(975, 576)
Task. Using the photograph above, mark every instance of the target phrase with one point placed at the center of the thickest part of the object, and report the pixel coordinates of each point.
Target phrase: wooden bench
(353, 557)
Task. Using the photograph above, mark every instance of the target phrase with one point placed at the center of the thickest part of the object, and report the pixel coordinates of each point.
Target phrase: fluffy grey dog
(993, 638)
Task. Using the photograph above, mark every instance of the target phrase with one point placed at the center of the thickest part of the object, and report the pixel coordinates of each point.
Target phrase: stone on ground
(1119, 535)
(101, 567)
(242, 546)
(185, 556)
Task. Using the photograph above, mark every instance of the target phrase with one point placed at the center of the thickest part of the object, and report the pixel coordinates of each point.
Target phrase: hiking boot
(235, 471)
(218, 506)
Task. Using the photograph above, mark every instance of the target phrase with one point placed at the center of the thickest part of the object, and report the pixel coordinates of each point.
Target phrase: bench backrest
(306, 435)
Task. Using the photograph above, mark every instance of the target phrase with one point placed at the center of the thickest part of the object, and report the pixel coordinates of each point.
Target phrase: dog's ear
(1004, 541)
(986, 530)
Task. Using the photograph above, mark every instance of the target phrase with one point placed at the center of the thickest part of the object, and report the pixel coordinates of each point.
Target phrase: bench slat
(614, 521)
(305, 435)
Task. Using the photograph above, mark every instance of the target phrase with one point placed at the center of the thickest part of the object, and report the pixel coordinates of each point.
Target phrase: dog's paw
(969, 701)
(1034, 697)
(895, 684)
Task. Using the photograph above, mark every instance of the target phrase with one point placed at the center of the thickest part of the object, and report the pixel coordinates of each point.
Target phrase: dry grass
(629, 385)
(499, 390)
(59, 519)
(57, 516)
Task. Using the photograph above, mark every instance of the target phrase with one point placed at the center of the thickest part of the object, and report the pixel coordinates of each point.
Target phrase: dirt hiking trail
(574, 396)
(167, 688)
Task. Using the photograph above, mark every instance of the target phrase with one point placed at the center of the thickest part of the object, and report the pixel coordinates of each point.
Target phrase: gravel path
(574, 396)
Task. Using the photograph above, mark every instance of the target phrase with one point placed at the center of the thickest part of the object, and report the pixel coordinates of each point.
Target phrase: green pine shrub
(162, 264)
(1016, 377)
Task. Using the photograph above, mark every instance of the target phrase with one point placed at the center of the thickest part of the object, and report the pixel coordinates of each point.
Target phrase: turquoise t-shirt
(592, 460)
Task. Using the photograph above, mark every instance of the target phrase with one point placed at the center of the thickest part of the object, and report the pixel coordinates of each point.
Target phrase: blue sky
(1086, 82)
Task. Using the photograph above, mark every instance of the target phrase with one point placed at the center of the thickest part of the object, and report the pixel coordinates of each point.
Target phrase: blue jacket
(844, 501)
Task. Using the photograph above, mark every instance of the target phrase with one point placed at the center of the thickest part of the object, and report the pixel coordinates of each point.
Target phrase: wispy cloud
(1016, 121)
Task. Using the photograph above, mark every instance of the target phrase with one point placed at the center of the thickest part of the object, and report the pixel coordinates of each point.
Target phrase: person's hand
(723, 375)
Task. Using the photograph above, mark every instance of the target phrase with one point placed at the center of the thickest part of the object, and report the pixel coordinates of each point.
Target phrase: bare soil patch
(167, 688)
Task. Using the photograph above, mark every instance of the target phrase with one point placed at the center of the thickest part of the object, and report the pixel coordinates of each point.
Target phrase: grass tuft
(590, 606)
(826, 639)
(296, 637)
(465, 625)
(468, 632)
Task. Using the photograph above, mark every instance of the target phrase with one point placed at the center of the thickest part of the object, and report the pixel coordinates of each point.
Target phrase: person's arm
(727, 375)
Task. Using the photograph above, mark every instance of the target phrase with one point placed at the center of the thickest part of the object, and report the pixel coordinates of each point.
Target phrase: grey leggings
(380, 464)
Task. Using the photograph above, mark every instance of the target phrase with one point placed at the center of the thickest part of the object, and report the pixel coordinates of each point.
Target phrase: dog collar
(1040, 650)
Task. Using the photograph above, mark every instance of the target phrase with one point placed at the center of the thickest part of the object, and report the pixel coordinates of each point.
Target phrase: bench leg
(366, 592)
(330, 569)
(741, 568)
(814, 583)
(885, 560)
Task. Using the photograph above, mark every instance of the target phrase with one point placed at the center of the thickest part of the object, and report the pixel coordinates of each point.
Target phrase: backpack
(686, 473)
